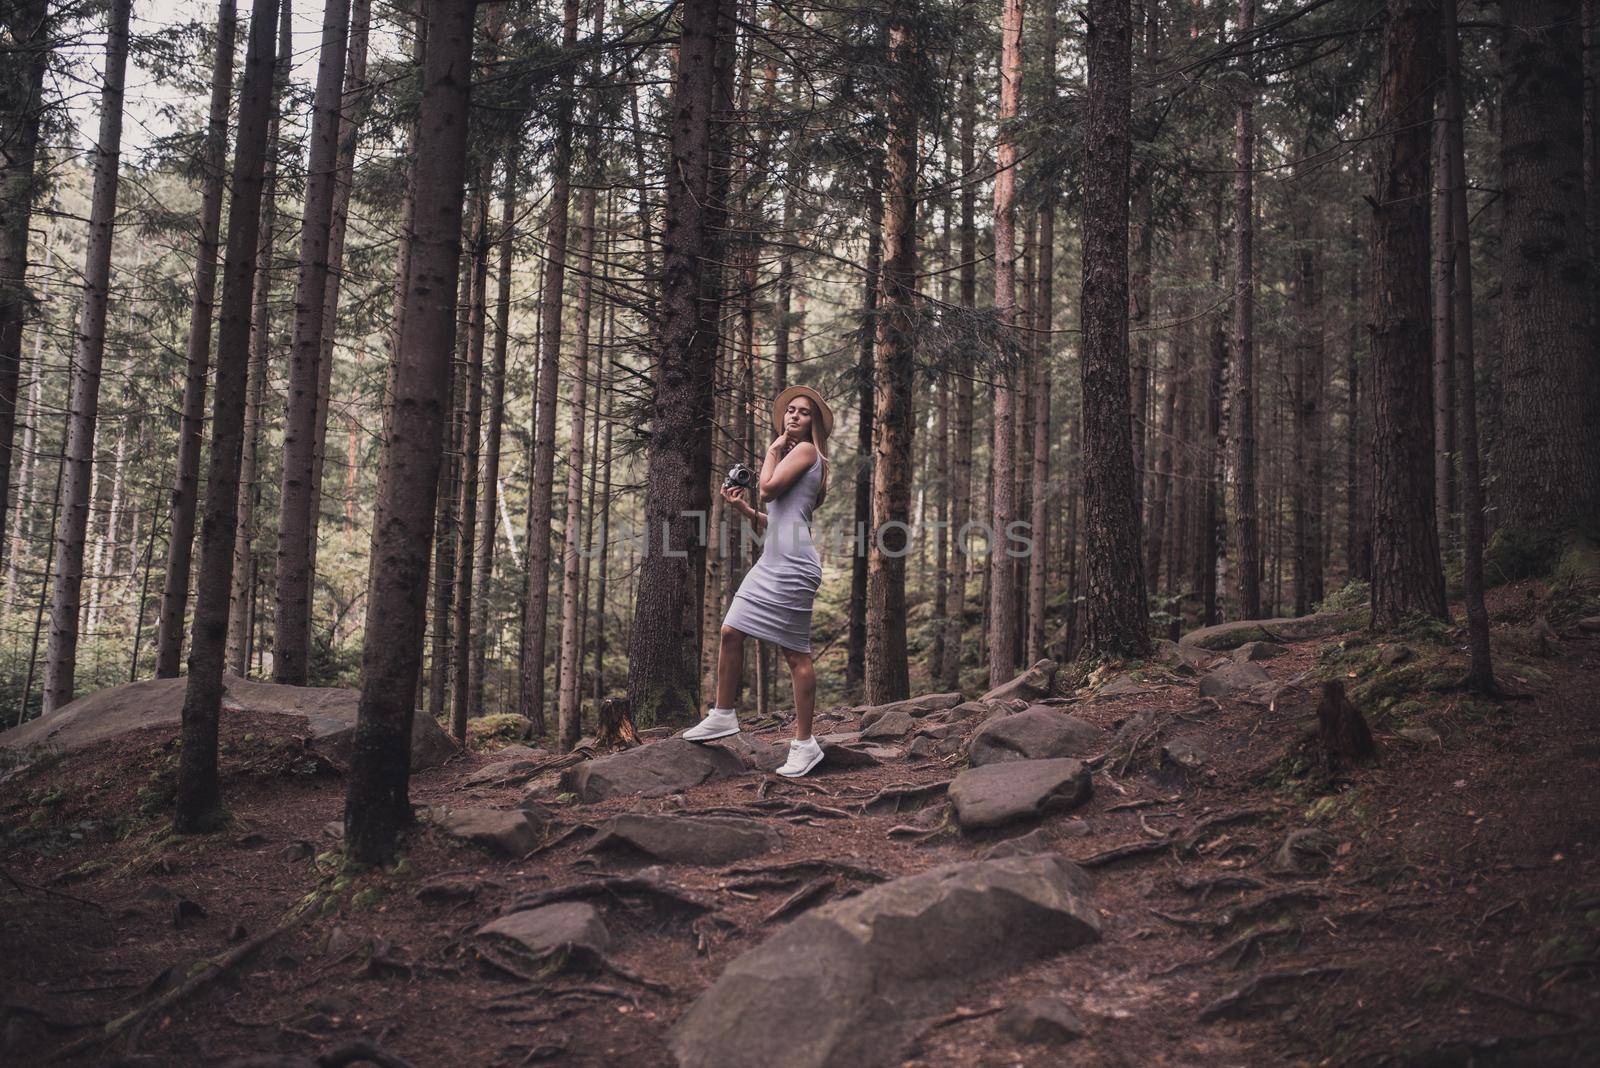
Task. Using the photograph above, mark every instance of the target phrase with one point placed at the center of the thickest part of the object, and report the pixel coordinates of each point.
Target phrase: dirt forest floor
(1446, 909)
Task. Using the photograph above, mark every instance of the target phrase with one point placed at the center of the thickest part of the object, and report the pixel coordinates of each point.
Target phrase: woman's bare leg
(804, 675)
(730, 667)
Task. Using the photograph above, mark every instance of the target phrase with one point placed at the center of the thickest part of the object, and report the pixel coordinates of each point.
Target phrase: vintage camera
(741, 476)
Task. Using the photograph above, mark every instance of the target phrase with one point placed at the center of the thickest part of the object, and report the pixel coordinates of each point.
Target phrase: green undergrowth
(1353, 594)
(1409, 675)
(347, 886)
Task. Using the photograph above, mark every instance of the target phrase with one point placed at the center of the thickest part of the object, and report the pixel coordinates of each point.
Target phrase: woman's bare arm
(780, 470)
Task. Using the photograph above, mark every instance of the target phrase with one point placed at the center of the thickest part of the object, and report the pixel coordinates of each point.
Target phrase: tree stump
(1342, 730)
(616, 730)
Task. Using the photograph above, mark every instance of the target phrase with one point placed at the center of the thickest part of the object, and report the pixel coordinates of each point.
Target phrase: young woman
(773, 603)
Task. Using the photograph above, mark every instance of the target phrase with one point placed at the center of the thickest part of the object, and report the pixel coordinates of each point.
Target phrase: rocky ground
(1155, 864)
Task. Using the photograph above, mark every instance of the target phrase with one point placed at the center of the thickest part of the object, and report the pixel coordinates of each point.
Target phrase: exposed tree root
(620, 886)
(131, 1024)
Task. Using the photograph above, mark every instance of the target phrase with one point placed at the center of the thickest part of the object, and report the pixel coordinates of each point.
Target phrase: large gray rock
(1232, 678)
(512, 832)
(1029, 686)
(328, 715)
(914, 707)
(997, 794)
(653, 770)
(868, 970)
(968, 710)
(570, 927)
(686, 839)
(1040, 733)
(894, 724)
(1225, 636)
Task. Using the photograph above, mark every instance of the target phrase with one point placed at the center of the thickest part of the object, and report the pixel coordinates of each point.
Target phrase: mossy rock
(502, 728)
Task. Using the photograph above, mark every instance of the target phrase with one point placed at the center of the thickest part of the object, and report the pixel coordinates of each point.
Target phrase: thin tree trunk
(1002, 565)
(467, 448)
(606, 390)
(186, 487)
(1248, 572)
(961, 481)
(61, 655)
(446, 519)
(291, 617)
(1308, 356)
(199, 799)
(536, 598)
(1039, 518)
(886, 671)
(1481, 675)
(1216, 523)
(1444, 348)
(856, 655)
(353, 102)
(483, 568)
(1358, 533)
(1161, 486)
(1406, 575)
(241, 615)
(569, 721)
(376, 804)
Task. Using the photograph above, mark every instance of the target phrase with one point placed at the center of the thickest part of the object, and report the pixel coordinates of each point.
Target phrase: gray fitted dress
(773, 602)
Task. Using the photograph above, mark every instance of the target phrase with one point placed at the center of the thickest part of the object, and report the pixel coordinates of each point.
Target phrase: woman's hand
(781, 445)
(734, 495)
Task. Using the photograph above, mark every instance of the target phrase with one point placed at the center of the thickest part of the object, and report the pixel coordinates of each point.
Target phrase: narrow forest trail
(1435, 907)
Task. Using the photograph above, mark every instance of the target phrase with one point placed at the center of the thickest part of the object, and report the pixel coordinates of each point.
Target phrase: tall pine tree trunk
(446, 519)
(291, 641)
(1038, 520)
(467, 448)
(83, 406)
(1406, 575)
(1444, 347)
(1481, 675)
(569, 713)
(1248, 571)
(483, 569)
(186, 487)
(1548, 477)
(886, 678)
(241, 618)
(536, 597)
(1116, 617)
(356, 90)
(1002, 565)
(662, 680)
(856, 655)
(961, 474)
(199, 800)
(376, 802)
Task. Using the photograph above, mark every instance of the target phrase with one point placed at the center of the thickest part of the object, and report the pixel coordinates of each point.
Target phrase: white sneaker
(719, 723)
(803, 756)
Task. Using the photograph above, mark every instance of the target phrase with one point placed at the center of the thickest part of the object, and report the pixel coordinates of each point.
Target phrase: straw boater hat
(821, 424)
